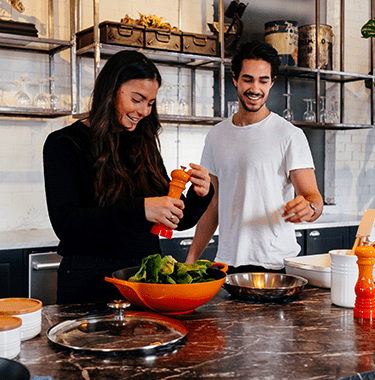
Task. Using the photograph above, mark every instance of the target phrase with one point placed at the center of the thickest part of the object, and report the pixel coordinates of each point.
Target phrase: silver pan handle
(187, 242)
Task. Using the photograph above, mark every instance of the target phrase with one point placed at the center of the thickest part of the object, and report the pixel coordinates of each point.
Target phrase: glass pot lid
(122, 331)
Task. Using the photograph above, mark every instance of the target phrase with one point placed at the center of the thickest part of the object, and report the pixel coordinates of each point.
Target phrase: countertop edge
(38, 238)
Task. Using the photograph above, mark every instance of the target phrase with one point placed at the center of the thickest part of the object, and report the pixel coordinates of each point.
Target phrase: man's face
(254, 84)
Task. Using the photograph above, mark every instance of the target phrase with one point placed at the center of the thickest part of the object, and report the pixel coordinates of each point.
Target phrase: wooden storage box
(19, 28)
(113, 33)
(162, 39)
(203, 44)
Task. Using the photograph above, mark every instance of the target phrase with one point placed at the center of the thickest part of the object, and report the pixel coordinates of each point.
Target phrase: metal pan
(264, 287)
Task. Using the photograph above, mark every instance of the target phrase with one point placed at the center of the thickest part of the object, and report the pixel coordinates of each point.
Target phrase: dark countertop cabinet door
(301, 237)
(179, 248)
(322, 240)
(13, 273)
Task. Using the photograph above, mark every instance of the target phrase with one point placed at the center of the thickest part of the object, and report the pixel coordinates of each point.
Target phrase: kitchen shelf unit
(98, 50)
(340, 77)
(44, 46)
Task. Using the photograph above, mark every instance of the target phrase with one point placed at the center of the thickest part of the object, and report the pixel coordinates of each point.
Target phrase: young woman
(106, 183)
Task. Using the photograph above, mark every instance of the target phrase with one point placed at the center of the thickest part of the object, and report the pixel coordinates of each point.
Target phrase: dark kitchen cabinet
(13, 273)
(301, 237)
(179, 248)
(322, 240)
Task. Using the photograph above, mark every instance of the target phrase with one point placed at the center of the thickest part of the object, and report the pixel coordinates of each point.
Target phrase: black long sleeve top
(83, 228)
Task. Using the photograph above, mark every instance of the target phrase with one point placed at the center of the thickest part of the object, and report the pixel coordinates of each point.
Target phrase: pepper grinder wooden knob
(176, 187)
(364, 306)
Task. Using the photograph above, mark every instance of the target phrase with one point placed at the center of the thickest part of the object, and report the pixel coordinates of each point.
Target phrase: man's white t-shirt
(252, 164)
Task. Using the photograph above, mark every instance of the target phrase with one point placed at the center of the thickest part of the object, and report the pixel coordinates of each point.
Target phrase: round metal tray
(124, 331)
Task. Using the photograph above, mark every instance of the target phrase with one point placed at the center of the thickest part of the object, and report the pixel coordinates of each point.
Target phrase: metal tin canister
(283, 36)
(307, 46)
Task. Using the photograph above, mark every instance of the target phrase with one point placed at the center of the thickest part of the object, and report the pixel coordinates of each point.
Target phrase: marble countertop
(307, 338)
(35, 238)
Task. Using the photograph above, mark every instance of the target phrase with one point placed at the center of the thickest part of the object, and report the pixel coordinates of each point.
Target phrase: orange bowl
(168, 299)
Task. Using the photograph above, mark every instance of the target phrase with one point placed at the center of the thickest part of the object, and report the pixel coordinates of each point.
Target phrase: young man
(257, 163)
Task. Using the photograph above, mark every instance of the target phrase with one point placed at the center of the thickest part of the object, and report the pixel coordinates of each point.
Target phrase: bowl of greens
(166, 286)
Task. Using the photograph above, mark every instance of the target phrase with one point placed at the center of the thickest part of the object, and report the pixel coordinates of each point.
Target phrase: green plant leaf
(368, 30)
(166, 270)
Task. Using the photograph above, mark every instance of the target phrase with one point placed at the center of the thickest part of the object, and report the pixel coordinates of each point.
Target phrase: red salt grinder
(176, 187)
(364, 306)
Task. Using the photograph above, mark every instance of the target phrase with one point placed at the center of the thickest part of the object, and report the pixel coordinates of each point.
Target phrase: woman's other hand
(164, 210)
(200, 179)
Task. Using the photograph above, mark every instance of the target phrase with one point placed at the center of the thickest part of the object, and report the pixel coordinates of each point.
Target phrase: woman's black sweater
(84, 228)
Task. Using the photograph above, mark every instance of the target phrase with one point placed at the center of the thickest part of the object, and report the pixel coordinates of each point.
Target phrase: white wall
(353, 182)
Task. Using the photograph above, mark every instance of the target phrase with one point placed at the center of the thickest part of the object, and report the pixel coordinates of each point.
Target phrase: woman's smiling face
(134, 101)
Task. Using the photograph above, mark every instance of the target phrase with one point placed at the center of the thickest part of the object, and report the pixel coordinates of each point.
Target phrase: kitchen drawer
(179, 248)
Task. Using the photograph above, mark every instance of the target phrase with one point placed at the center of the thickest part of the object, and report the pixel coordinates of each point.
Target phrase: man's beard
(252, 109)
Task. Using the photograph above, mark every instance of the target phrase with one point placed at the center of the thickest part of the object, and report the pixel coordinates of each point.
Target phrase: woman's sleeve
(70, 199)
(195, 206)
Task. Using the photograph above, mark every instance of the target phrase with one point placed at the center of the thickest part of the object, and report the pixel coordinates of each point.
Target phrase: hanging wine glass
(323, 110)
(333, 116)
(41, 99)
(288, 113)
(169, 102)
(183, 105)
(22, 98)
(309, 114)
(232, 108)
(161, 104)
(53, 98)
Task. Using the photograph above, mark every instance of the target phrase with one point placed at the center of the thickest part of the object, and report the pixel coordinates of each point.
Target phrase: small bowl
(29, 310)
(169, 299)
(264, 287)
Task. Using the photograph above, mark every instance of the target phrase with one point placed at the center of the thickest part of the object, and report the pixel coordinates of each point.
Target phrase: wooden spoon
(364, 229)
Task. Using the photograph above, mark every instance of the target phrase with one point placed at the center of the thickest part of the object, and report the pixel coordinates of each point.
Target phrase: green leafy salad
(167, 270)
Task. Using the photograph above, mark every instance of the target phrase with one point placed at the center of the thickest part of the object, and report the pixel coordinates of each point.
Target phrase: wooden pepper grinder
(364, 306)
(176, 187)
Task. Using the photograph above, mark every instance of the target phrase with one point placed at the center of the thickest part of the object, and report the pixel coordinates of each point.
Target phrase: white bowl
(29, 310)
(315, 268)
(10, 337)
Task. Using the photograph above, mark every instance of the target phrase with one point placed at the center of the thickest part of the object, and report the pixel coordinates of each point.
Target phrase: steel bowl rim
(303, 280)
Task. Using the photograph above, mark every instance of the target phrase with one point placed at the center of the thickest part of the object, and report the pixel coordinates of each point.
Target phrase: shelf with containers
(323, 77)
(97, 50)
(43, 46)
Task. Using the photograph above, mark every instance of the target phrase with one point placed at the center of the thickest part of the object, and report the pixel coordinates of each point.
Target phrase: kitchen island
(307, 338)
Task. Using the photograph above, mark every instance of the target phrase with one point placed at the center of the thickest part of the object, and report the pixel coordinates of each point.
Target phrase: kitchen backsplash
(350, 157)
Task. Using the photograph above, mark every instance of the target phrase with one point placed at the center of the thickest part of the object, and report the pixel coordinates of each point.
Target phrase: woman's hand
(164, 210)
(200, 179)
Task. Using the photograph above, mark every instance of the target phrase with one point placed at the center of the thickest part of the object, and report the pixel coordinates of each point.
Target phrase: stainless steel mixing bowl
(264, 287)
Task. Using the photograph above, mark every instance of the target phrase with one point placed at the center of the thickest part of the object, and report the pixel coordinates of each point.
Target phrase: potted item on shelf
(367, 31)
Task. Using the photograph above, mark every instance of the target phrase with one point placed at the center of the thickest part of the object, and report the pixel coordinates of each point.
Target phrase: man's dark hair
(255, 50)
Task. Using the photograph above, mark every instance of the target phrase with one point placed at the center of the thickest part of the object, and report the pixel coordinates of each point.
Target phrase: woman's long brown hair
(125, 163)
